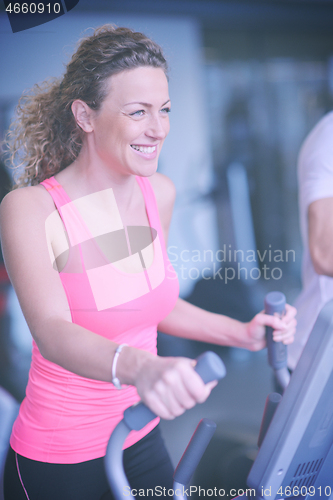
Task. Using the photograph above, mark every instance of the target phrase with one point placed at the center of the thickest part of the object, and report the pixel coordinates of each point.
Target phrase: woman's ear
(82, 114)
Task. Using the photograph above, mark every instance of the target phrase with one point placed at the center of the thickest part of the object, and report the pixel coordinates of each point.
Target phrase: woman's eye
(140, 112)
(166, 110)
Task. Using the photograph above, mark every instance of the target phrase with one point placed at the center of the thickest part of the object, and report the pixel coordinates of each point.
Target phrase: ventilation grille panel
(306, 474)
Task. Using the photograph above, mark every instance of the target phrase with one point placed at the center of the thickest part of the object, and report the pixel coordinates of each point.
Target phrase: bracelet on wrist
(115, 379)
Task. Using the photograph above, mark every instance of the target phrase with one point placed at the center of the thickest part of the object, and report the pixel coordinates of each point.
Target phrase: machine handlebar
(209, 366)
(275, 302)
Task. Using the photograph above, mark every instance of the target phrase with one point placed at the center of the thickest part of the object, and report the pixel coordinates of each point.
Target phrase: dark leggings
(147, 465)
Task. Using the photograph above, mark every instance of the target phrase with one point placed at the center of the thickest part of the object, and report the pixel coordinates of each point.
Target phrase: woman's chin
(148, 170)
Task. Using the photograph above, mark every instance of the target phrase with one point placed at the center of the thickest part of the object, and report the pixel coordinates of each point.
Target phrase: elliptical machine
(210, 367)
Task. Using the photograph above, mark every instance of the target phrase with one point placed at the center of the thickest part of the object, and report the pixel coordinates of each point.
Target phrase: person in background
(84, 244)
(315, 177)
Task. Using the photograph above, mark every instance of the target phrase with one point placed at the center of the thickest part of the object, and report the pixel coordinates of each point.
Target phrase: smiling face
(130, 127)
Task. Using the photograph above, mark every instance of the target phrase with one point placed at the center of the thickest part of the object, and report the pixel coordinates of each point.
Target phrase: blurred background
(248, 81)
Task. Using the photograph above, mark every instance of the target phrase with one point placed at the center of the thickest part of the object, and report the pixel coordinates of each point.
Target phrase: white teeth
(144, 149)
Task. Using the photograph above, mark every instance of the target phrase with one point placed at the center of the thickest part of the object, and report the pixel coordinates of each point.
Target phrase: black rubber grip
(209, 366)
(275, 302)
(194, 451)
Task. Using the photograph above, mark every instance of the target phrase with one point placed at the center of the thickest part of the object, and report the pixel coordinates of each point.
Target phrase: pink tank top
(66, 418)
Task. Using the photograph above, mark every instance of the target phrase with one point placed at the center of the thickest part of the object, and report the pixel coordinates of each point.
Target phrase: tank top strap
(151, 204)
(57, 192)
(76, 228)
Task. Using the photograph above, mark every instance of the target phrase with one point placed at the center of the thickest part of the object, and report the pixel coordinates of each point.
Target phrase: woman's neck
(83, 177)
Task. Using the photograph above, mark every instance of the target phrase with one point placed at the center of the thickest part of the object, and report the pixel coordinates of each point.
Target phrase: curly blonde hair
(44, 138)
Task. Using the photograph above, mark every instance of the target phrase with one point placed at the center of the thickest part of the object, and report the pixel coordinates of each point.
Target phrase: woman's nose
(158, 127)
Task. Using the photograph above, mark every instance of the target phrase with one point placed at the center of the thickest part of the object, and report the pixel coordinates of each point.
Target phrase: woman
(84, 247)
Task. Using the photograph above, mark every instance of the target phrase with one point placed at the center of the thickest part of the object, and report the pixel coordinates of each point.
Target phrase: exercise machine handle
(194, 451)
(275, 302)
(272, 402)
(210, 367)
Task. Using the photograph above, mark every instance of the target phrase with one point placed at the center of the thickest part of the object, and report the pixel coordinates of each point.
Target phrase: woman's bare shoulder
(29, 263)
(24, 202)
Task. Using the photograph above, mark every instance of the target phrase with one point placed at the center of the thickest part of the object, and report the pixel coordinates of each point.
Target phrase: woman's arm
(191, 322)
(167, 385)
(320, 217)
